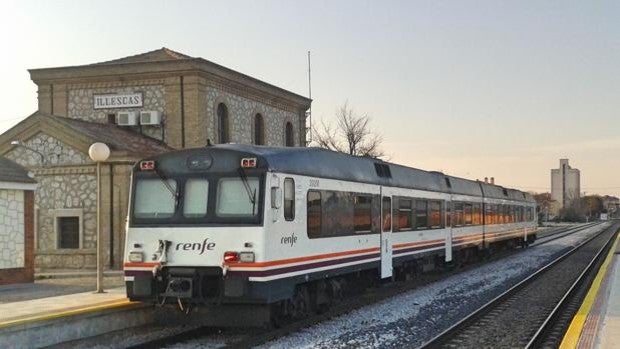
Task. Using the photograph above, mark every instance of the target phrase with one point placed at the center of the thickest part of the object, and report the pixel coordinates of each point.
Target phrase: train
(291, 229)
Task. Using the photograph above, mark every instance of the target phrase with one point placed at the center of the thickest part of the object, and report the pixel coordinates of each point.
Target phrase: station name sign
(109, 101)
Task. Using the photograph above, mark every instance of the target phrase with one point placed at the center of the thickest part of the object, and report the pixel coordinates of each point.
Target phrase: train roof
(318, 162)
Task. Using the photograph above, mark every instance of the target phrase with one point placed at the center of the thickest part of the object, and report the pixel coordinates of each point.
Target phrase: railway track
(535, 312)
(254, 337)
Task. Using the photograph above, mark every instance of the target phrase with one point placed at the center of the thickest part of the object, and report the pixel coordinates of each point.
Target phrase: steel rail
(449, 333)
(594, 264)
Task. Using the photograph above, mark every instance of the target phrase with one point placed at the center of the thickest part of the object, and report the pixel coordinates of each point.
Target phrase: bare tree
(351, 134)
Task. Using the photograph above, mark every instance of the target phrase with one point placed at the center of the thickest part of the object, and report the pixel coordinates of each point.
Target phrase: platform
(597, 323)
(47, 321)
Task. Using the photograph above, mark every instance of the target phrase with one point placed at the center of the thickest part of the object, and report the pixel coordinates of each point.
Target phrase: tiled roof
(116, 137)
(162, 54)
(13, 172)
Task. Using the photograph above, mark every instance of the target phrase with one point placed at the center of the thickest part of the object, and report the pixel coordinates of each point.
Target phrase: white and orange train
(293, 228)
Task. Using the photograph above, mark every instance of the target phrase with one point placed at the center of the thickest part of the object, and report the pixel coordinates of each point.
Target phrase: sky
(475, 89)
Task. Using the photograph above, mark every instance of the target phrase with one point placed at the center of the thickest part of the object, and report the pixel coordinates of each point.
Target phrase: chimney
(492, 180)
(486, 179)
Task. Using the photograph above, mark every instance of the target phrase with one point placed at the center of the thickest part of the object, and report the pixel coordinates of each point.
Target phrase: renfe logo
(289, 240)
(196, 246)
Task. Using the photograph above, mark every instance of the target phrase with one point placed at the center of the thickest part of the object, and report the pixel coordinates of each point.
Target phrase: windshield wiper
(248, 189)
(172, 190)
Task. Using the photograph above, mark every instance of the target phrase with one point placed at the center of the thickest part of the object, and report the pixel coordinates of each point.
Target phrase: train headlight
(246, 257)
(136, 257)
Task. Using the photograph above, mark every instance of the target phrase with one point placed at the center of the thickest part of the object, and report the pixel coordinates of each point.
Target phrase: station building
(16, 223)
(140, 105)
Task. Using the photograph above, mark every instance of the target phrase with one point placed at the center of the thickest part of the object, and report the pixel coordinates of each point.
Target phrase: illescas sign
(129, 100)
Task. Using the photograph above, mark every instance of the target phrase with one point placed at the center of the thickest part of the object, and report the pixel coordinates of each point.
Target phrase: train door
(386, 235)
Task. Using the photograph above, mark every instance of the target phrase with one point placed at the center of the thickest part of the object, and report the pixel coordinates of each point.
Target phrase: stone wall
(12, 234)
(54, 152)
(241, 112)
(80, 104)
(59, 189)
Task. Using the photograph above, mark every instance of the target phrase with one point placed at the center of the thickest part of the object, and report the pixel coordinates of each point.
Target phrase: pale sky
(471, 88)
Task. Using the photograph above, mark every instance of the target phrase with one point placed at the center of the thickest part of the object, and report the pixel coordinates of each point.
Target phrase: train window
(421, 214)
(477, 216)
(154, 198)
(404, 221)
(467, 211)
(337, 214)
(236, 198)
(448, 214)
(314, 214)
(457, 219)
(195, 198)
(387, 213)
(435, 214)
(362, 217)
(495, 214)
(289, 199)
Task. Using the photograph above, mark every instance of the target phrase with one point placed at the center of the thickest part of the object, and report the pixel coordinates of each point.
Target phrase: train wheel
(301, 303)
(279, 316)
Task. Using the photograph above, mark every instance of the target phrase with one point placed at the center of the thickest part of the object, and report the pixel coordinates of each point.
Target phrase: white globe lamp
(99, 152)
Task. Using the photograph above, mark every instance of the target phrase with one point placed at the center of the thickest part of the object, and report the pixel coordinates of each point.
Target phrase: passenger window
(458, 215)
(468, 214)
(361, 214)
(289, 199)
(195, 201)
(387, 213)
(435, 216)
(404, 215)
(421, 216)
(314, 214)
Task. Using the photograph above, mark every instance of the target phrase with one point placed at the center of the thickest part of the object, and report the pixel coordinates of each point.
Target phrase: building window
(68, 232)
(222, 123)
(288, 135)
(259, 130)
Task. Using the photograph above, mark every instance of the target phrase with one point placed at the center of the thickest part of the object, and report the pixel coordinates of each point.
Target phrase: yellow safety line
(72, 312)
(571, 338)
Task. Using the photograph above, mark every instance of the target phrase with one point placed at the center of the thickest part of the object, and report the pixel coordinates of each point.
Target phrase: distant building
(611, 203)
(565, 184)
(16, 223)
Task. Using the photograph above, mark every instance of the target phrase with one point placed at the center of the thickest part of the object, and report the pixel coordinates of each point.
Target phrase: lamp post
(99, 152)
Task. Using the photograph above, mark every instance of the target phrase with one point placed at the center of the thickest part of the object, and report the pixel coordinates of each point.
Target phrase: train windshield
(235, 199)
(155, 198)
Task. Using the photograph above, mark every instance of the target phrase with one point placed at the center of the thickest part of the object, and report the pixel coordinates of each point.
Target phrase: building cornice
(120, 73)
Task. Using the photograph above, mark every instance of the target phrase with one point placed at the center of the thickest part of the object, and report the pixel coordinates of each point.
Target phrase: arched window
(259, 130)
(222, 123)
(288, 135)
